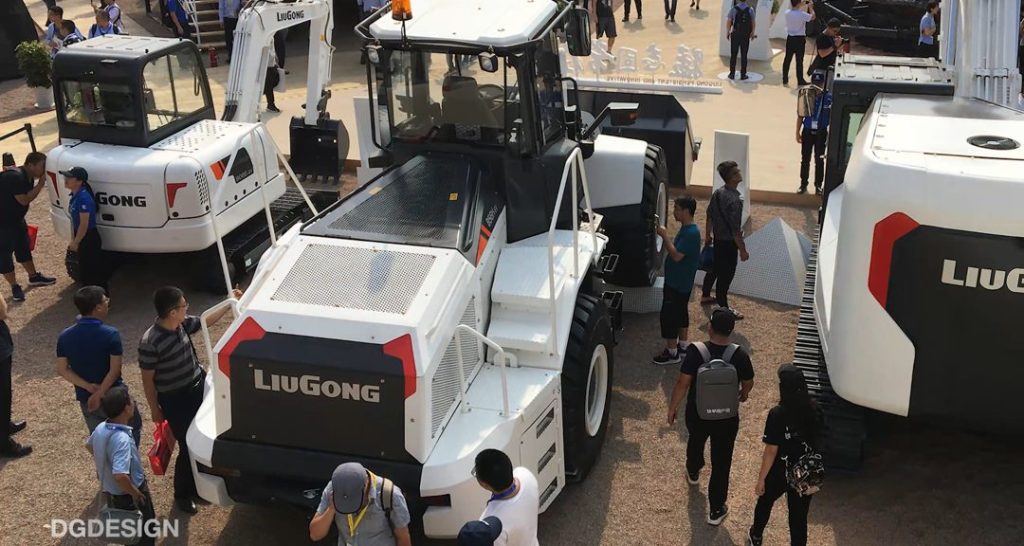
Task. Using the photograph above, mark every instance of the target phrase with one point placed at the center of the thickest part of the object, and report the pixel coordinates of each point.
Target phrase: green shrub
(34, 62)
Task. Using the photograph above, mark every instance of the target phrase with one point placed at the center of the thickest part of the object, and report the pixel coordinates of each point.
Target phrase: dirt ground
(921, 485)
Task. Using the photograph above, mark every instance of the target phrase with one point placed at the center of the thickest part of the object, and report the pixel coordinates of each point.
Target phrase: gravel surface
(921, 485)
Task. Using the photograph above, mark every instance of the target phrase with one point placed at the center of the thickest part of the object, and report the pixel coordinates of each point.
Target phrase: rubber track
(845, 427)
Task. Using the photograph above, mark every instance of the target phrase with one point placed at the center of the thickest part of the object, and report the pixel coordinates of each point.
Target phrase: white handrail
(233, 303)
(499, 359)
(573, 166)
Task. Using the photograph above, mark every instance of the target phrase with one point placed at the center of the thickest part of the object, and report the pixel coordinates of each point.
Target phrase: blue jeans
(94, 418)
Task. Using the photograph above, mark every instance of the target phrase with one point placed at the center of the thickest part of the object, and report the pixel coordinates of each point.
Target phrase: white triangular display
(777, 265)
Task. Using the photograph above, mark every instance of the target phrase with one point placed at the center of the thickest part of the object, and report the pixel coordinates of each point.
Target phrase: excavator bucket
(318, 151)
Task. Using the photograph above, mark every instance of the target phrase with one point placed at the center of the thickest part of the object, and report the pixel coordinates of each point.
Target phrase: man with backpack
(368, 509)
(740, 28)
(102, 26)
(812, 135)
(715, 377)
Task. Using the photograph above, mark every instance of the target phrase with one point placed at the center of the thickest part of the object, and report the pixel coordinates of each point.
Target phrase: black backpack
(743, 21)
(387, 493)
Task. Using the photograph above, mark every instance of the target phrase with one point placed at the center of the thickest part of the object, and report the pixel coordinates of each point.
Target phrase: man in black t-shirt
(16, 194)
(8, 447)
(606, 22)
(722, 433)
(828, 44)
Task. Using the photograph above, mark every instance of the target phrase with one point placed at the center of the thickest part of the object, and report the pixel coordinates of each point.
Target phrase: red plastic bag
(163, 447)
(33, 231)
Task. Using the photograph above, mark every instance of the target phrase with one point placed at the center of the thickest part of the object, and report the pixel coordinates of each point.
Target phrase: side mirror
(623, 113)
(577, 32)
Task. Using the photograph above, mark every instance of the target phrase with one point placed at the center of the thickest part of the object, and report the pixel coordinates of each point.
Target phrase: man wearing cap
(483, 532)
(356, 501)
(812, 135)
(722, 433)
(17, 192)
(515, 497)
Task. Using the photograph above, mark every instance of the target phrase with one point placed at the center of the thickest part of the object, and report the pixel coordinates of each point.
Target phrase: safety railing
(500, 358)
(193, 18)
(215, 195)
(205, 327)
(573, 168)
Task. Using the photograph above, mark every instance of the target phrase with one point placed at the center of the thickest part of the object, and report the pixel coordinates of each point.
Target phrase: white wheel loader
(453, 303)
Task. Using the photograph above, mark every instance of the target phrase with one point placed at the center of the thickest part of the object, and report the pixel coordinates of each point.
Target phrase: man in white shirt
(515, 499)
(801, 13)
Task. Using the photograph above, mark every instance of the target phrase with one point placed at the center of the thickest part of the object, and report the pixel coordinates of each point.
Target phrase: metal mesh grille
(444, 387)
(355, 278)
(204, 187)
(420, 203)
(196, 137)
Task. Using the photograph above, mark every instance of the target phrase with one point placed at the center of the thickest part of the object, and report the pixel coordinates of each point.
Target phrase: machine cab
(129, 90)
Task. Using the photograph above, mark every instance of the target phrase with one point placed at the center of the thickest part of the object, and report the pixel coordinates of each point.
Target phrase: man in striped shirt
(173, 379)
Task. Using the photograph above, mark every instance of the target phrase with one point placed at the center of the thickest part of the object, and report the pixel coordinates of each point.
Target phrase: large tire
(586, 386)
(630, 228)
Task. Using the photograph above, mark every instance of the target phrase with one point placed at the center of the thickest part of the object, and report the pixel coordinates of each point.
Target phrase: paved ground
(921, 485)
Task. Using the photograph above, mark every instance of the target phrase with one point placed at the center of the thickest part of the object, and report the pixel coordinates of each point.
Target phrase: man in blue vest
(812, 135)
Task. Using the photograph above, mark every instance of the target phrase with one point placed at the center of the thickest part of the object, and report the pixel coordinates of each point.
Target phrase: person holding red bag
(17, 192)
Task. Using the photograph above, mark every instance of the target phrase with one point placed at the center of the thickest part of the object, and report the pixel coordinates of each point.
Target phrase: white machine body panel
(497, 24)
(911, 163)
(611, 171)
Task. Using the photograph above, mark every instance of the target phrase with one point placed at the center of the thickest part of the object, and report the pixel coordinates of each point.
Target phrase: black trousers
(279, 46)
(928, 50)
(639, 9)
(273, 78)
(724, 269)
(723, 439)
(796, 46)
(670, 7)
(774, 487)
(740, 44)
(179, 408)
(229, 33)
(812, 142)
(6, 399)
(126, 502)
(93, 262)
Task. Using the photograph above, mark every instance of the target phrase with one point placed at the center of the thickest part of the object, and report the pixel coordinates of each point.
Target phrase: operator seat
(462, 105)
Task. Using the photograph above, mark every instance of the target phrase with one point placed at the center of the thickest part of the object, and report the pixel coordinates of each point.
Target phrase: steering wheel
(492, 94)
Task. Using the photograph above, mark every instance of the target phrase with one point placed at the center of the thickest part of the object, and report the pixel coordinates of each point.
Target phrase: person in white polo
(797, 17)
(514, 500)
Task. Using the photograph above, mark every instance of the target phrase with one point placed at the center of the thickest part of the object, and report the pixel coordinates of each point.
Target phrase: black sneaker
(817, 190)
(681, 347)
(744, 77)
(16, 426)
(40, 280)
(692, 479)
(17, 293)
(14, 450)
(752, 540)
(732, 75)
(716, 517)
(665, 359)
(273, 108)
(802, 190)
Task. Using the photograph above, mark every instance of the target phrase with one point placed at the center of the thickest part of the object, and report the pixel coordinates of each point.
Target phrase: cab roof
(489, 23)
(115, 46)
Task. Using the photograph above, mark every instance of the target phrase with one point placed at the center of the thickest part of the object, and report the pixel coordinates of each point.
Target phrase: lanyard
(502, 495)
(353, 524)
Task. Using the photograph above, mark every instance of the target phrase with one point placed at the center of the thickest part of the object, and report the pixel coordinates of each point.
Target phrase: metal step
(845, 428)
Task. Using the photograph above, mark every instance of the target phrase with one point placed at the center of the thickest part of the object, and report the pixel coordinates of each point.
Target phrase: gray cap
(349, 483)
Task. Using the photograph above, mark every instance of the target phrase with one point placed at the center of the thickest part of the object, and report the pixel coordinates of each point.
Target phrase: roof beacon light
(401, 10)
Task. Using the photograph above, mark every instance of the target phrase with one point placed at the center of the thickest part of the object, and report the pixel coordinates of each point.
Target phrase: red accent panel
(485, 231)
(172, 192)
(53, 179)
(250, 330)
(480, 247)
(218, 170)
(401, 348)
(893, 228)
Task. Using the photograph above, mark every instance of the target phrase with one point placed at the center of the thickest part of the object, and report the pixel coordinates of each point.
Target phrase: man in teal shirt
(682, 257)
